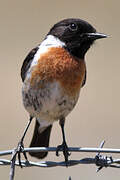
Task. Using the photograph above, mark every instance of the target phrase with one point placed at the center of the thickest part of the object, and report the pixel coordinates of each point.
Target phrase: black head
(78, 35)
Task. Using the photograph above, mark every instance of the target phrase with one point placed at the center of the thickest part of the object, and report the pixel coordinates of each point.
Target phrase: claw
(20, 146)
(63, 146)
(18, 152)
(58, 149)
(66, 153)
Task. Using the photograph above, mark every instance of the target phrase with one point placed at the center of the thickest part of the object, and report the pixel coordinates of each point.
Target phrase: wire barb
(100, 160)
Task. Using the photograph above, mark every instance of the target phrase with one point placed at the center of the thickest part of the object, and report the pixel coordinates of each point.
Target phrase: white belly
(49, 103)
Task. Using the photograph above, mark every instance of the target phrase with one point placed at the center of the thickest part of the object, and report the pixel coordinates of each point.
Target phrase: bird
(53, 74)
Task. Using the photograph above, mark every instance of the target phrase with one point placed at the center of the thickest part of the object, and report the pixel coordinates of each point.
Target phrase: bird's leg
(63, 146)
(20, 146)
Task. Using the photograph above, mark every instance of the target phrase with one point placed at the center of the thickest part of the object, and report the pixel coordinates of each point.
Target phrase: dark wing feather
(85, 76)
(27, 62)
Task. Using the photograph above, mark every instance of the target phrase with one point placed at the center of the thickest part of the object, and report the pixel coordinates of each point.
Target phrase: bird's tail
(40, 139)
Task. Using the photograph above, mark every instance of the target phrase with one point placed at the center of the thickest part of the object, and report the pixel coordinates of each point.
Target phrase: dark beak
(94, 36)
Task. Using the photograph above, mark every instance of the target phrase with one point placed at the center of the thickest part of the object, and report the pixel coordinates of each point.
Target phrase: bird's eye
(73, 27)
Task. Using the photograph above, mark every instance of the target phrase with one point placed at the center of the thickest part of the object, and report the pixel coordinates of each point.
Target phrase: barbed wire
(99, 160)
(105, 161)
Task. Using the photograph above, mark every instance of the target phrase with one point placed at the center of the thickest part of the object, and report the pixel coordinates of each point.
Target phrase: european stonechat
(53, 74)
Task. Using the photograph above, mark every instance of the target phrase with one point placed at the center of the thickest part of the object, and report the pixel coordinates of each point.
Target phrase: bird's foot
(66, 153)
(18, 152)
